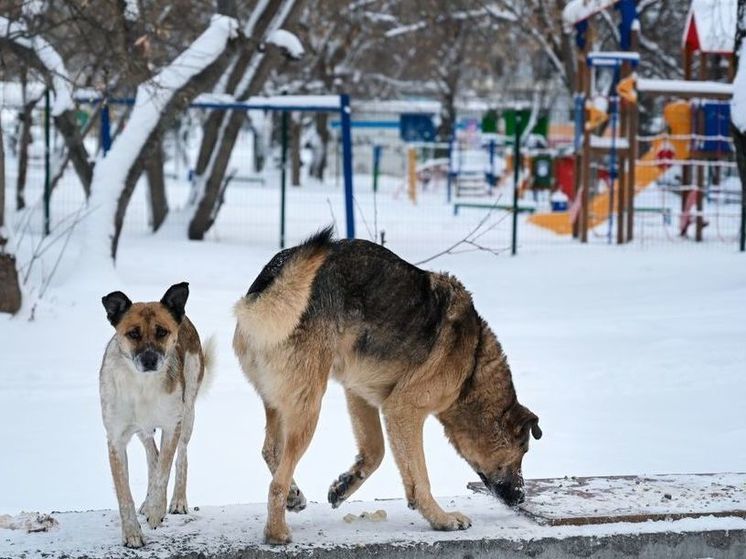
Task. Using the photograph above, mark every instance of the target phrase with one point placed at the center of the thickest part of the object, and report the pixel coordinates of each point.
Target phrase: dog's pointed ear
(116, 304)
(525, 421)
(175, 300)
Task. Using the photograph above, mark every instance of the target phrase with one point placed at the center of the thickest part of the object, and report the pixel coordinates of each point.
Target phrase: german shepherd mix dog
(152, 369)
(402, 341)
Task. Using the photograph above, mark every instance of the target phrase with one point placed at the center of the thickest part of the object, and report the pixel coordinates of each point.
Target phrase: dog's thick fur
(402, 341)
(151, 373)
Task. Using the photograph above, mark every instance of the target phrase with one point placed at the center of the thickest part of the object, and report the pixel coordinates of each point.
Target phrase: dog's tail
(276, 300)
(209, 351)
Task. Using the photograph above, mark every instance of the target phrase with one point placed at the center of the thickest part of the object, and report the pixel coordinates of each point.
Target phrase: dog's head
(494, 445)
(147, 331)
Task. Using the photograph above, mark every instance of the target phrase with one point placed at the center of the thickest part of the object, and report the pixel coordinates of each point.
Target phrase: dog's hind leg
(271, 452)
(366, 424)
(178, 499)
(404, 425)
(298, 422)
(151, 454)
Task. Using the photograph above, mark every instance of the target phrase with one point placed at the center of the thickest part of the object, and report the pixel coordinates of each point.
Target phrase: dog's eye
(134, 334)
(160, 332)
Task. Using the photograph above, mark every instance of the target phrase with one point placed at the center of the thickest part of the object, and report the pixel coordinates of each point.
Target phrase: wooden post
(585, 178)
(700, 188)
(412, 174)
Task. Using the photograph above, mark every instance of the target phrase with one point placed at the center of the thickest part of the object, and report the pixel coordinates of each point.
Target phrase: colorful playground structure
(609, 170)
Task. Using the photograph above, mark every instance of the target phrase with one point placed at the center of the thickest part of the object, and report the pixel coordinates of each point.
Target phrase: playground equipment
(696, 116)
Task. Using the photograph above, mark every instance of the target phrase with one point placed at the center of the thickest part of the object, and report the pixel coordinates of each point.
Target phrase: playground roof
(711, 26)
(579, 10)
(686, 88)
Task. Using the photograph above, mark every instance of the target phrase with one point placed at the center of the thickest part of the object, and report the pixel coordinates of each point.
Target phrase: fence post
(47, 166)
(344, 109)
(105, 128)
(743, 218)
(492, 178)
(376, 166)
(449, 184)
(516, 177)
(283, 176)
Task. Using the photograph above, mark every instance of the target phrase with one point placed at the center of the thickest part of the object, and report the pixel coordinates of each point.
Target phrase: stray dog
(403, 342)
(152, 369)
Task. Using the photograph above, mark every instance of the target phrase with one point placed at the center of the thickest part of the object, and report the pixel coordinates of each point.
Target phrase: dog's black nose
(149, 360)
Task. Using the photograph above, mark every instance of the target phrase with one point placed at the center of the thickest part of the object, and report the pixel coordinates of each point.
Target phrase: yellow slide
(679, 120)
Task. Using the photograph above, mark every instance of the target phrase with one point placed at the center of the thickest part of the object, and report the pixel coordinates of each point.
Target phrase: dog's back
(354, 296)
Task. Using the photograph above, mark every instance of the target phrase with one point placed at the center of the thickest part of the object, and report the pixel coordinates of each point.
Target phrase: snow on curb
(236, 530)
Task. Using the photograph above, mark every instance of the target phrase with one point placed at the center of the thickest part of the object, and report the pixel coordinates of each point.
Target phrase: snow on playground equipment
(615, 109)
(697, 137)
(285, 104)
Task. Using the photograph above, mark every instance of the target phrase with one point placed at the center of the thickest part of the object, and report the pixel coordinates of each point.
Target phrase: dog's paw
(278, 536)
(452, 522)
(133, 539)
(155, 515)
(338, 490)
(178, 506)
(296, 501)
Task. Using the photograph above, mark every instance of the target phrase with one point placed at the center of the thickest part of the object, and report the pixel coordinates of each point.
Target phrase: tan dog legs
(366, 424)
(404, 426)
(271, 452)
(298, 425)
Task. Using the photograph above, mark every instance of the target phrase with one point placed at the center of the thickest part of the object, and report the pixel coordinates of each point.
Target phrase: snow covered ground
(633, 357)
(633, 360)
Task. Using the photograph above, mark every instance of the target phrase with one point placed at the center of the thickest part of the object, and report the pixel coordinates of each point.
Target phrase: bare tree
(248, 74)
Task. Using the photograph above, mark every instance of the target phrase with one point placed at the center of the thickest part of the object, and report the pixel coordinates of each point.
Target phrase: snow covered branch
(169, 91)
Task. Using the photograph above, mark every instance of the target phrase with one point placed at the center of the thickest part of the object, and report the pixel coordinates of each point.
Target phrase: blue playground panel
(717, 123)
(416, 127)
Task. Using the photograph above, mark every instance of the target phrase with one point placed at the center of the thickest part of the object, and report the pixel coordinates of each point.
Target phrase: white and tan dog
(151, 373)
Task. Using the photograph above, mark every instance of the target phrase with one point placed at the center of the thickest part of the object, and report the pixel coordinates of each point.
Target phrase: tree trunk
(2, 181)
(739, 136)
(10, 291)
(115, 176)
(321, 147)
(158, 202)
(739, 143)
(447, 117)
(296, 129)
(24, 143)
(65, 122)
(259, 148)
(211, 183)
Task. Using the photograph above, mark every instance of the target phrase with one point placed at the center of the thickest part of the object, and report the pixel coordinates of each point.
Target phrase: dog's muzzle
(510, 491)
(148, 361)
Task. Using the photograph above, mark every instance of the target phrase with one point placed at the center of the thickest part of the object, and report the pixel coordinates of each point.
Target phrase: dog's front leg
(155, 507)
(404, 425)
(131, 531)
(151, 454)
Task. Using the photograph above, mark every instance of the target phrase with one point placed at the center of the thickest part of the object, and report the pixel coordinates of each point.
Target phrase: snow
(738, 104)
(612, 348)
(606, 142)
(48, 56)
(131, 10)
(578, 10)
(238, 530)
(715, 22)
(287, 41)
(692, 87)
(110, 173)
